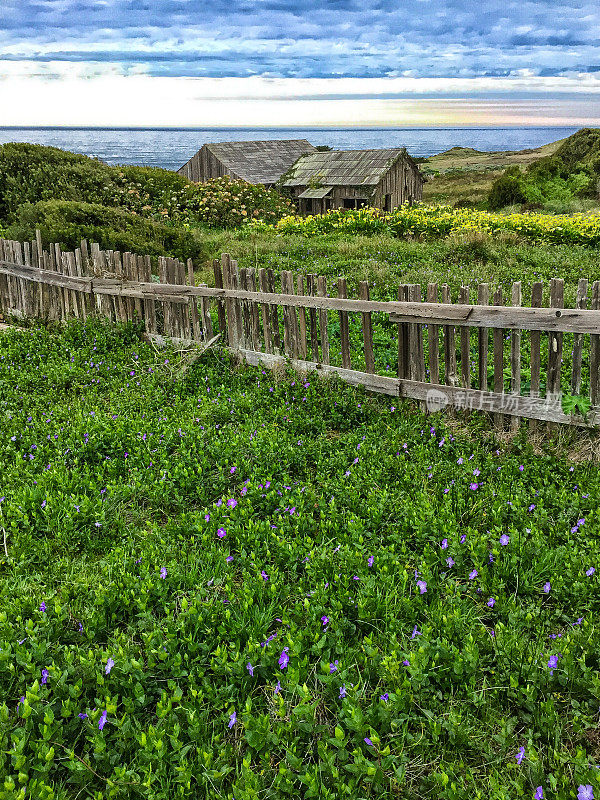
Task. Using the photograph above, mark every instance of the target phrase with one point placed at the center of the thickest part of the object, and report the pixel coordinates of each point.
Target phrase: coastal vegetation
(222, 582)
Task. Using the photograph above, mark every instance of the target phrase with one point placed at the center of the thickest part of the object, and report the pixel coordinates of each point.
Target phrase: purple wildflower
(163, 572)
(370, 561)
(589, 572)
(333, 667)
(343, 691)
(385, 697)
(504, 539)
(422, 587)
(109, 665)
(368, 742)
(415, 633)
(250, 669)
(232, 720)
(102, 720)
(45, 674)
(42, 606)
(473, 486)
(552, 663)
(585, 792)
(221, 533)
(82, 715)
(265, 577)
(546, 587)
(463, 538)
(473, 574)
(491, 602)
(450, 561)
(284, 659)
(325, 621)
(539, 794)
(520, 755)
(232, 503)
(232, 470)
(406, 663)
(444, 544)
(277, 688)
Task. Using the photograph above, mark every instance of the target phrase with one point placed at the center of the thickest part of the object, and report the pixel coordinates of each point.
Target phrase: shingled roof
(343, 167)
(260, 162)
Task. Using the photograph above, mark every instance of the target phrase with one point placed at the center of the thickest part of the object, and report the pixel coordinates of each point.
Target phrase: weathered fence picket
(268, 318)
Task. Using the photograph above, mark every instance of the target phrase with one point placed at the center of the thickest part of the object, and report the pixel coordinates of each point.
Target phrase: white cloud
(62, 93)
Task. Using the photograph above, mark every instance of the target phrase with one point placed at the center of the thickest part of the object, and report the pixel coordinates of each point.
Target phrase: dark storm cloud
(304, 38)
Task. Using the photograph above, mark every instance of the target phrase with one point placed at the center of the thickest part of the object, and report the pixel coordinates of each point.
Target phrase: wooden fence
(511, 360)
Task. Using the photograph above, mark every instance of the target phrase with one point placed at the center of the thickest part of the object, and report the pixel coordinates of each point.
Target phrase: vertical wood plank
(291, 315)
(245, 309)
(498, 339)
(483, 298)
(433, 338)
(311, 285)
(367, 327)
(207, 325)
(302, 352)
(416, 354)
(166, 307)
(535, 338)
(275, 331)
(449, 343)
(230, 309)
(265, 311)
(197, 328)
(137, 276)
(555, 341)
(515, 353)
(403, 337)
(344, 326)
(322, 292)
(254, 313)
(465, 344)
(582, 290)
(236, 284)
(287, 332)
(63, 302)
(595, 351)
(221, 314)
(149, 303)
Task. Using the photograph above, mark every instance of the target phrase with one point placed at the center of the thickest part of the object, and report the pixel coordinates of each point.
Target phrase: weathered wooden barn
(385, 179)
(254, 162)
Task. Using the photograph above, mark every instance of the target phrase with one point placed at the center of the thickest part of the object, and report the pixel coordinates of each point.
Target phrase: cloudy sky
(299, 62)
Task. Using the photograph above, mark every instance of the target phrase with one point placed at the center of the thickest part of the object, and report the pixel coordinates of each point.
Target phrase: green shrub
(67, 222)
(555, 181)
(227, 203)
(32, 173)
(507, 189)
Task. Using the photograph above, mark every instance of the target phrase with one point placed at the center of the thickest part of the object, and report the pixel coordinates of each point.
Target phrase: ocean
(170, 148)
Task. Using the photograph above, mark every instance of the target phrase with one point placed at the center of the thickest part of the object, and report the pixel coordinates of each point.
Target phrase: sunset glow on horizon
(339, 62)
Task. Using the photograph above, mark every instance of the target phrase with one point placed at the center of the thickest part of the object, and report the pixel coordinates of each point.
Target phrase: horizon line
(284, 127)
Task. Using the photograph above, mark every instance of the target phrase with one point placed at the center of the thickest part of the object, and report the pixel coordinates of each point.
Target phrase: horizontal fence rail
(511, 360)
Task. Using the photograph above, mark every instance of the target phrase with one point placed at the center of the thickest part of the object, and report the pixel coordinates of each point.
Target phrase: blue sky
(300, 61)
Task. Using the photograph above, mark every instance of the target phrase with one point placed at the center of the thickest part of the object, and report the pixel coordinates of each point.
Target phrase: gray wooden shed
(384, 179)
(254, 162)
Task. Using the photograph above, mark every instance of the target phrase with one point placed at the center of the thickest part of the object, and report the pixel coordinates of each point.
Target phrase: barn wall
(203, 166)
(403, 182)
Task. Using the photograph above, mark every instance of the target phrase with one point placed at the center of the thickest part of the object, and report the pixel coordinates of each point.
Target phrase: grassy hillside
(569, 175)
(464, 174)
(230, 584)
